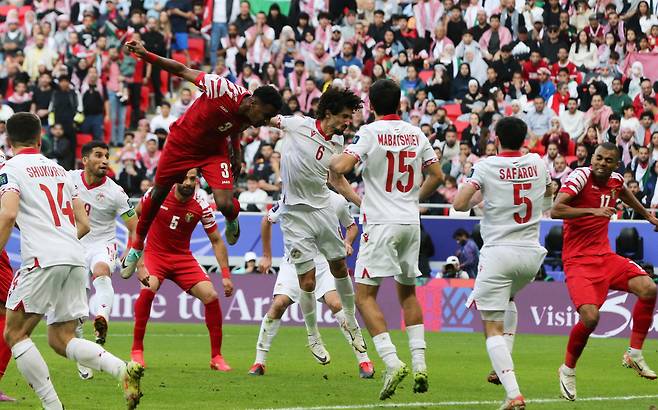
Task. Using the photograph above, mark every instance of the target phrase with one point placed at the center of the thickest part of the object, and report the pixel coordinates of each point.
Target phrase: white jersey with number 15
(394, 154)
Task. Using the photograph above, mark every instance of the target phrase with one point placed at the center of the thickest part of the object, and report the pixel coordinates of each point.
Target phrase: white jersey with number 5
(305, 161)
(394, 154)
(45, 215)
(103, 203)
(513, 187)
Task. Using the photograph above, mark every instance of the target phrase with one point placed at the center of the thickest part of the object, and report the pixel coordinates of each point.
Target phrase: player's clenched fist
(606, 212)
(136, 47)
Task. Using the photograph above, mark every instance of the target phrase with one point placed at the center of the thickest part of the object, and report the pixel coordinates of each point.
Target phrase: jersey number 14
(66, 208)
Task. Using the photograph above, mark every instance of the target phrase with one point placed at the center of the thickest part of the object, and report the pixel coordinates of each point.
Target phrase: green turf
(178, 377)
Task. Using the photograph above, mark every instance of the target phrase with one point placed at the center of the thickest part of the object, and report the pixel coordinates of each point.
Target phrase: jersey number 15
(403, 168)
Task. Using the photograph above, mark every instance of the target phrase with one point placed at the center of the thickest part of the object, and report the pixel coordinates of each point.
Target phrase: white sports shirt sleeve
(513, 189)
(45, 216)
(394, 154)
(215, 86)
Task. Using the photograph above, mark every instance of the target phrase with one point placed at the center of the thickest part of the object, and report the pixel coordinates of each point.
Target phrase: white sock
(91, 355)
(346, 293)
(509, 325)
(635, 352)
(340, 318)
(501, 359)
(386, 350)
(104, 295)
(417, 345)
(34, 369)
(308, 304)
(268, 329)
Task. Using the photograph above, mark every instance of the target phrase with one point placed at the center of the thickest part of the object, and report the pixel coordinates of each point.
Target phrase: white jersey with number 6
(394, 154)
(45, 216)
(513, 187)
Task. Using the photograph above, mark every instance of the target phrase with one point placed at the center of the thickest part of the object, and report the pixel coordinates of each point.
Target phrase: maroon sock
(642, 319)
(214, 325)
(577, 341)
(5, 351)
(234, 212)
(142, 313)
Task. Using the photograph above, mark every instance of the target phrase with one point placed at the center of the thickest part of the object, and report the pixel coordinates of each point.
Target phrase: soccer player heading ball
(200, 139)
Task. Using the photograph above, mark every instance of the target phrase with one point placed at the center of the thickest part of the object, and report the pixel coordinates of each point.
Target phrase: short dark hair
(614, 116)
(460, 232)
(270, 96)
(336, 100)
(380, 12)
(166, 104)
(252, 178)
(646, 114)
(89, 147)
(385, 96)
(650, 100)
(511, 132)
(609, 146)
(494, 16)
(23, 129)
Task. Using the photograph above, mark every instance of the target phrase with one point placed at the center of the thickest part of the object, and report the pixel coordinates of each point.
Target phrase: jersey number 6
(522, 200)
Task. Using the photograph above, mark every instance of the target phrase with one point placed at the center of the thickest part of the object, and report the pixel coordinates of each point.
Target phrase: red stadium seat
(197, 50)
(572, 147)
(4, 10)
(129, 112)
(107, 126)
(81, 139)
(570, 159)
(145, 98)
(453, 111)
(164, 82)
(460, 126)
(180, 57)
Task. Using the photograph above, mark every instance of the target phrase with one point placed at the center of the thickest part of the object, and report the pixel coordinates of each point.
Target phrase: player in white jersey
(104, 200)
(40, 198)
(516, 189)
(309, 224)
(286, 289)
(394, 154)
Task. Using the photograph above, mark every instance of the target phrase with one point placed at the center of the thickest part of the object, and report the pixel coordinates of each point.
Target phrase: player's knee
(590, 317)
(648, 291)
(209, 296)
(307, 283)
(338, 268)
(57, 341)
(12, 336)
(224, 203)
(278, 308)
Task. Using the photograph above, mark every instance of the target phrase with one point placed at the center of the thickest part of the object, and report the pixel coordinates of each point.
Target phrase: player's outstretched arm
(630, 200)
(221, 254)
(8, 214)
(81, 218)
(343, 163)
(434, 179)
(562, 210)
(171, 66)
(266, 237)
(340, 184)
(463, 198)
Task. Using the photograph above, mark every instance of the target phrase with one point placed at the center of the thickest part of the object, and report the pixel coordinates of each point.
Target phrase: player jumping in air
(309, 224)
(586, 202)
(516, 189)
(287, 290)
(168, 256)
(200, 138)
(104, 200)
(394, 154)
(40, 198)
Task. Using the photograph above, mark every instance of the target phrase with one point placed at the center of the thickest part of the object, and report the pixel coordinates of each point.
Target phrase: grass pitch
(178, 376)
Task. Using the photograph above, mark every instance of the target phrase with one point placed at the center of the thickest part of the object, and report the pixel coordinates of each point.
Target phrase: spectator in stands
(112, 70)
(347, 59)
(647, 127)
(21, 99)
(598, 114)
(253, 199)
(582, 157)
(573, 120)
(552, 152)
(94, 102)
(64, 106)
(494, 38)
(640, 166)
(628, 212)
(618, 98)
(260, 39)
(244, 20)
(465, 156)
(38, 55)
(131, 176)
(308, 94)
(532, 66)
(539, 120)
(646, 91)
(626, 144)
(154, 41)
(456, 25)
(13, 39)
(249, 265)
(41, 96)
(179, 12)
(584, 53)
(556, 135)
(560, 170)
(164, 119)
(467, 252)
(149, 157)
(452, 269)
(183, 103)
(62, 152)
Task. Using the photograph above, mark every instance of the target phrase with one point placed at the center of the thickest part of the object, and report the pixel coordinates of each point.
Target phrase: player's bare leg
(269, 327)
(230, 208)
(142, 314)
(61, 338)
(345, 290)
(206, 293)
(501, 359)
(366, 367)
(589, 318)
(102, 282)
(645, 290)
(85, 373)
(509, 332)
(413, 319)
(150, 207)
(396, 370)
(5, 351)
(308, 302)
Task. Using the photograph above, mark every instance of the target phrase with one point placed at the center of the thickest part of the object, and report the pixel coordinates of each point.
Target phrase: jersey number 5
(67, 209)
(174, 222)
(522, 200)
(403, 168)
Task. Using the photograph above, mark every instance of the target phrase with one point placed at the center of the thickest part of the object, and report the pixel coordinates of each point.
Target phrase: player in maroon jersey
(200, 139)
(168, 256)
(586, 202)
(6, 276)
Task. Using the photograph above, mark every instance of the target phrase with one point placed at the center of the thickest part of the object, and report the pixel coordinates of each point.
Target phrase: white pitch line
(43, 335)
(459, 403)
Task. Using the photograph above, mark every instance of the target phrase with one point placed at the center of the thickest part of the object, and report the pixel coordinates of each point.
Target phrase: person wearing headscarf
(477, 64)
(460, 82)
(634, 79)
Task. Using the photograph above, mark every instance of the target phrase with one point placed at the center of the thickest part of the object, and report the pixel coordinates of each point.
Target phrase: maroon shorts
(174, 164)
(589, 278)
(6, 276)
(183, 270)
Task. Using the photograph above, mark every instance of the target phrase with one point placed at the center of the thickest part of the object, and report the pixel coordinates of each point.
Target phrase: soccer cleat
(85, 373)
(493, 378)
(421, 383)
(258, 369)
(358, 342)
(567, 382)
(392, 379)
(137, 356)
(232, 231)
(639, 365)
(4, 397)
(366, 370)
(100, 329)
(517, 403)
(318, 350)
(130, 382)
(129, 263)
(218, 363)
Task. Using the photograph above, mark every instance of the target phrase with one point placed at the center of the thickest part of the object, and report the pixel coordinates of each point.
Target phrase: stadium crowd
(578, 72)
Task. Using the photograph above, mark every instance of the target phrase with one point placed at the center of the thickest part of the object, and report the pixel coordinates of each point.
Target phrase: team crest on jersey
(100, 197)
(224, 127)
(188, 217)
(3, 179)
(295, 254)
(313, 133)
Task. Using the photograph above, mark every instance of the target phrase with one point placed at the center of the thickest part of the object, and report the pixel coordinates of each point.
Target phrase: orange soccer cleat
(218, 363)
(138, 357)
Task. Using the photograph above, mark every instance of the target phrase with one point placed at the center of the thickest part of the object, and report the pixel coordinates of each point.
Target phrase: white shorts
(502, 272)
(57, 290)
(287, 282)
(388, 250)
(309, 232)
(102, 254)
